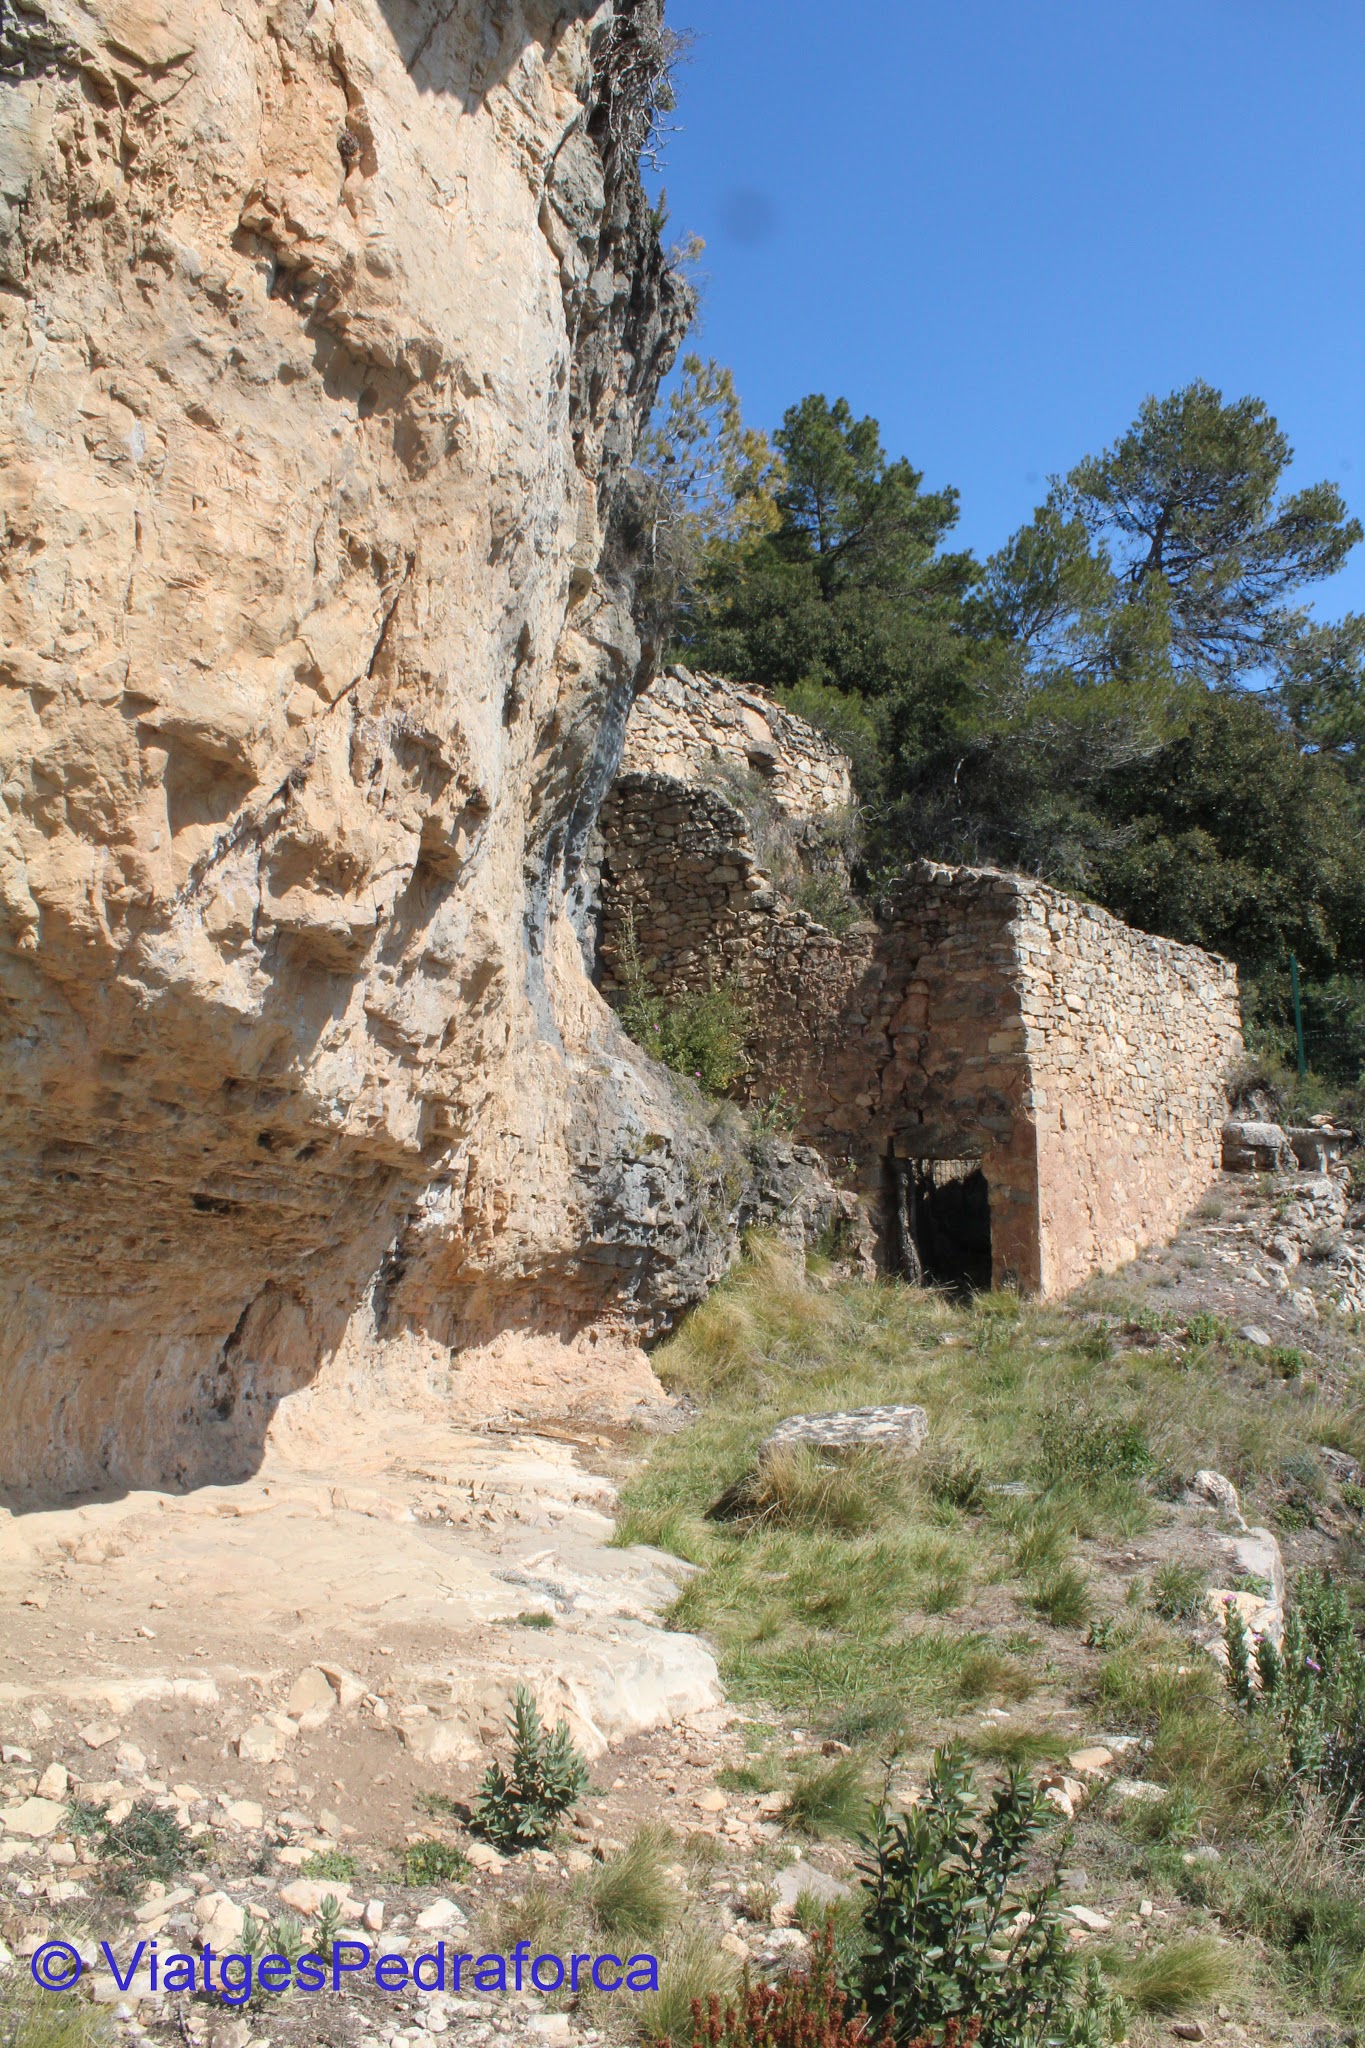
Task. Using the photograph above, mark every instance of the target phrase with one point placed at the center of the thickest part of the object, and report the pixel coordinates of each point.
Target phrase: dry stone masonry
(698, 725)
(1023, 1088)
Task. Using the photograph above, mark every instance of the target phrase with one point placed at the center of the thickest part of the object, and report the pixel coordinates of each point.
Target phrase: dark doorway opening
(943, 1219)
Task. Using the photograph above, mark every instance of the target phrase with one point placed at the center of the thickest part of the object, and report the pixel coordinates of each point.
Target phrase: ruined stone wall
(701, 728)
(980, 1019)
(1128, 1041)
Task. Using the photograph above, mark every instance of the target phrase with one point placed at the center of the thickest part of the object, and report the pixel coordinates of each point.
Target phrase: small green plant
(1178, 1592)
(431, 1862)
(1174, 1978)
(1063, 1599)
(1287, 1363)
(535, 1618)
(1203, 1329)
(776, 1116)
(548, 1775)
(1077, 1444)
(690, 1971)
(953, 1925)
(327, 1927)
(1315, 1688)
(338, 1866)
(630, 1897)
(146, 1845)
(958, 1483)
(702, 1033)
(828, 1799)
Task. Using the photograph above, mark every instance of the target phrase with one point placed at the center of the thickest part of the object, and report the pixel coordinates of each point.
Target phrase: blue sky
(998, 224)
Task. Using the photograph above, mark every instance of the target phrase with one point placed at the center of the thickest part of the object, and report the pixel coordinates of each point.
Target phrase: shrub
(958, 1483)
(146, 1845)
(548, 1775)
(1178, 1592)
(1063, 1600)
(630, 1896)
(797, 1488)
(1173, 1978)
(1203, 1329)
(1075, 1443)
(431, 1862)
(806, 2010)
(952, 1927)
(337, 1866)
(1315, 1688)
(689, 1972)
(828, 1799)
(702, 1032)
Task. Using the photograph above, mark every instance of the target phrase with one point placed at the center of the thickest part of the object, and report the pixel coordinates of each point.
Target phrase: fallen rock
(440, 1914)
(260, 1744)
(349, 1689)
(483, 1856)
(96, 1734)
(311, 1692)
(899, 1431)
(1087, 1917)
(54, 1782)
(1252, 1333)
(1256, 1148)
(1211, 1489)
(306, 1894)
(243, 1813)
(1091, 1763)
(32, 1818)
(1137, 1788)
(712, 1801)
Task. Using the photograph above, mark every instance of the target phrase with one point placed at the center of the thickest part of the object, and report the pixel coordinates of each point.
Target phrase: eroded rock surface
(326, 334)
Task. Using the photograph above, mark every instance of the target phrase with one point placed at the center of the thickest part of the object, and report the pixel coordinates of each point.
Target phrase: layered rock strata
(327, 328)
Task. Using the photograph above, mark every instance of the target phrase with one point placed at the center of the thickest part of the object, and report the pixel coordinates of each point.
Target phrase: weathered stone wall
(982, 1020)
(1128, 1040)
(696, 725)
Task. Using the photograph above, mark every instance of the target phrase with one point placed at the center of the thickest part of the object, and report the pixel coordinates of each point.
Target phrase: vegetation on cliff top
(1129, 699)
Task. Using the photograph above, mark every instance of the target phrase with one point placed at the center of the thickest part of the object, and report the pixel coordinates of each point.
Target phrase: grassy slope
(888, 1613)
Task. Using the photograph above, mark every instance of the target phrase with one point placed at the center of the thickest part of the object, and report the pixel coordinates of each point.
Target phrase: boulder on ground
(899, 1431)
(1257, 1148)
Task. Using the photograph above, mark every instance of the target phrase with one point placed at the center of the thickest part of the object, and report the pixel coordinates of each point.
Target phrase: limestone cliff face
(326, 331)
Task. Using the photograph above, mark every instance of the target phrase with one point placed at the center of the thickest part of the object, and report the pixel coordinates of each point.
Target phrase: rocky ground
(310, 1670)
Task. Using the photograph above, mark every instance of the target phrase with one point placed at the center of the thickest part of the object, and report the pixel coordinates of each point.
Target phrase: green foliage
(690, 1971)
(828, 1799)
(1175, 1977)
(1203, 1329)
(337, 1866)
(1078, 706)
(433, 1862)
(548, 1774)
(146, 1845)
(1063, 1599)
(1178, 1591)
(1315, 1689)
(702, 1033)
(954, 1927)
(1076, 1444)
(630, 1896)
(30, 2018)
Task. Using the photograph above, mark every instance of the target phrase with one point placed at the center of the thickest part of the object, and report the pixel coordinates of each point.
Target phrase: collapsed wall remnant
(1025, 1088)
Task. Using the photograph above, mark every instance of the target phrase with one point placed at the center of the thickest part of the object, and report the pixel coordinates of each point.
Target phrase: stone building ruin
(1023, 1089)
